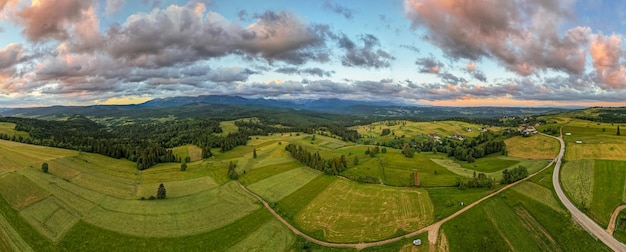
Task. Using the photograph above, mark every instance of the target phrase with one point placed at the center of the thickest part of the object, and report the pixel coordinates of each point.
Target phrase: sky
(428, 52)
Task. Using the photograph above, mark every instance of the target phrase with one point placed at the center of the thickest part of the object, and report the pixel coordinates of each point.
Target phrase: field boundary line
(578, 216)
(14, 238)
(432, 229)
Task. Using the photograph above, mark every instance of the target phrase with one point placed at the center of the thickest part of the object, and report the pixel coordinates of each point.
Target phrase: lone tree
(161, 192)
(618, 130)
(44, 167)
(254, 153)
(183, 166)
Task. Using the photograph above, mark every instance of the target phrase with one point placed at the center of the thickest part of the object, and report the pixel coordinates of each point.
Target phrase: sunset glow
(429, 52)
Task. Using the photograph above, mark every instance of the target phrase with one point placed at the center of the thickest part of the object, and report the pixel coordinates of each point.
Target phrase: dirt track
(611, 228)
(432, 229)
(583, 220)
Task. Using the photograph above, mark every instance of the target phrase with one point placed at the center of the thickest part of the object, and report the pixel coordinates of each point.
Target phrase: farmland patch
(278, 186)
(350, 212)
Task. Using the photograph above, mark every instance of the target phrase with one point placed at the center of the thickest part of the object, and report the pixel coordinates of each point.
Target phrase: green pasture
(351, 212)
(533, 147)
(492, 163)
(447, 200)
(455, 166)
(514, 222)
(608, 189)
(9, 129)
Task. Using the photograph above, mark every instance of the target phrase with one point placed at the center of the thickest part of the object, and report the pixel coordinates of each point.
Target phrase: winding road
(433, 229)
(578, 216)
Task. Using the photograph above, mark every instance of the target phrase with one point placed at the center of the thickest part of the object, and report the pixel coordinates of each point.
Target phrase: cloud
(477, 74)
(50, 19)
(230, 74)
(429, 65)
(315, 71)
(338, 9)
(188, 33)
(522, 35)
(606, 52)
(11, 55)
(368, 55)
(113, 6)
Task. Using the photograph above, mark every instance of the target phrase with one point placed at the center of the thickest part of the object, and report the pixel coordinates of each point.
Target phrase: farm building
(568, 134)
(579, 142)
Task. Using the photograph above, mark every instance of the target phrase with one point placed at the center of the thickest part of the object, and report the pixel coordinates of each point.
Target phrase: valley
(394, 184)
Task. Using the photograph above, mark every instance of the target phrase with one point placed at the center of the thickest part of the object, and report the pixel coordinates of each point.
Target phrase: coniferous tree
(44, 167)
(618, 130)
(161, 192)
(254, 153)
(183, 166)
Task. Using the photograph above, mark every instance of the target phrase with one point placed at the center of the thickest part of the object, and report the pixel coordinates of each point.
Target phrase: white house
(568, 134)
(579, 142)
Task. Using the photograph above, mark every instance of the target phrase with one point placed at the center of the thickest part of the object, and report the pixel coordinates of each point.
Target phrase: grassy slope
(535, 147)
(608, 189)
(278, 186)
(353, 212)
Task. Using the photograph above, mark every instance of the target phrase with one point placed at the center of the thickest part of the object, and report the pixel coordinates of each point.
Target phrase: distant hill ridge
(196, 105)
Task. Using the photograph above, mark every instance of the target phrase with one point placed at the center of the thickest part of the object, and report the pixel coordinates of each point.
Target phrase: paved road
(432, 229)
(582, 219)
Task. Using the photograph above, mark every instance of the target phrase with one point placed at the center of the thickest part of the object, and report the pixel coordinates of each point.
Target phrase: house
(457, 137)
(568, 134)
(528, 130)
(417, 242)
(434, 137)
(579, 142)
(469, 129)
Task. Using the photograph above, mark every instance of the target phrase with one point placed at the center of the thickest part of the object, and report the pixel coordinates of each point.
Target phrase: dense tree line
(477, 181)
(331, 166)
(514, 174)
(468, 150)
(147, 144)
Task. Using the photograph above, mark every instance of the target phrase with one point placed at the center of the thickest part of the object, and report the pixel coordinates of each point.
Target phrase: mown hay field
(540, 194)
(9, 129)
(192, 151)
(577, 178)
(399, 128)
(351, 212)
(20, 191)
(533, 147)
(272, 236)
(277, 187)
